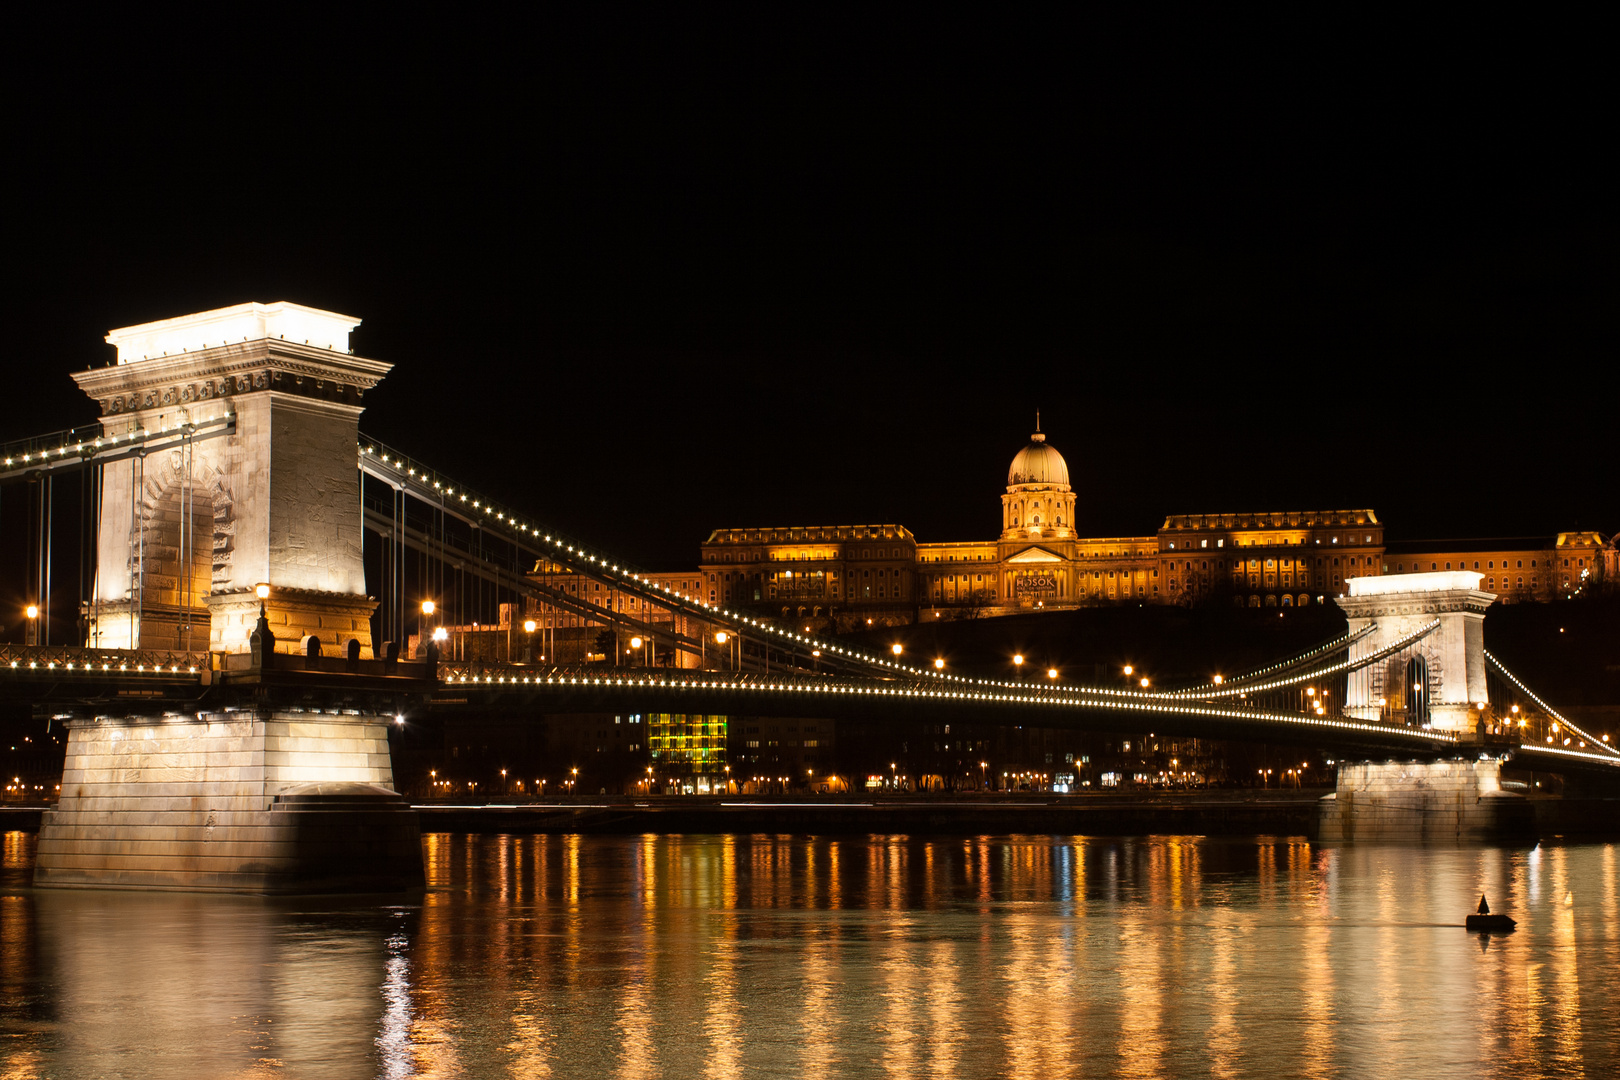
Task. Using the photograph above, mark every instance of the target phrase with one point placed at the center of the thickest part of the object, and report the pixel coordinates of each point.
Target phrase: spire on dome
(1037, 437)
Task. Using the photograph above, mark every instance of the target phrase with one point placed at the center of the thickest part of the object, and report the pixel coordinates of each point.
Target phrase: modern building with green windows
(688, 751)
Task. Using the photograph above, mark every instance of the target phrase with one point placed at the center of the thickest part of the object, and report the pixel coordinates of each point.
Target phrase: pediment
(1035, 555)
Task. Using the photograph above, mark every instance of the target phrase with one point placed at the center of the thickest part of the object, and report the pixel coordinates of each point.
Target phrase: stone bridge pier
(1438, 682)
(274, 775)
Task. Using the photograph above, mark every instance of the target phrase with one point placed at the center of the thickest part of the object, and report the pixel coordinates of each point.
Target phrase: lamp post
(635, 644)
(1018, 665)
(32, 611)
(422, 632)
(528, 640)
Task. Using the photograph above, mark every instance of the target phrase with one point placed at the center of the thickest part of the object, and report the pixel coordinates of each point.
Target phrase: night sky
(647, 274)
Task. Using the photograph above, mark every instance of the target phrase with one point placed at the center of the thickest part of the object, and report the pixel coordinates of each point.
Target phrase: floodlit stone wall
(1439, 800)
(231, 801)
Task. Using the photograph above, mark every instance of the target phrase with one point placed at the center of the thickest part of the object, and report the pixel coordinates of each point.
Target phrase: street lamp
(720, 638)
(428, 608)
(897, 648)
(529, 626)
(32, 611)
(939, 663)
(1051, 673)
(635, 643)
(1018, 665)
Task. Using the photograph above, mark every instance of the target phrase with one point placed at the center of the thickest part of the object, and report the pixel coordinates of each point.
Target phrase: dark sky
(645, 274)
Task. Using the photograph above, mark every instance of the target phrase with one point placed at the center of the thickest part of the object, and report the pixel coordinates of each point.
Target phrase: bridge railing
(69, 659)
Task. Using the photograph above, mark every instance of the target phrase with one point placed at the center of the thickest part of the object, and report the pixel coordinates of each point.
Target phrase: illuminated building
(881, 574)
(851, 576)
(1518, 569)
(687, 751)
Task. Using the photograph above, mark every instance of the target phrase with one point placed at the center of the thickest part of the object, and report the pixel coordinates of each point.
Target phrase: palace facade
(882, 574)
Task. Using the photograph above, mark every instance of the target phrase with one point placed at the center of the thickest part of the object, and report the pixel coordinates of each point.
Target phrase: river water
(763, 955)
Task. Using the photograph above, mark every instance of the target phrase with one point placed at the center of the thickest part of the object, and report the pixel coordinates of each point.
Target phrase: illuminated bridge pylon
(1440, 681)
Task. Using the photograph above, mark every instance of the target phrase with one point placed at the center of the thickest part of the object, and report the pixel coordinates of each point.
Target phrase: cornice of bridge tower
(191, 379)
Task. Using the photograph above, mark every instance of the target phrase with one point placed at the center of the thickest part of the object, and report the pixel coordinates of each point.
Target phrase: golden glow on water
(734, 956)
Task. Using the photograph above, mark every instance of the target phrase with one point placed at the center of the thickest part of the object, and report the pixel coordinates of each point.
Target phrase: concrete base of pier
(286, 801)
(1438, 800)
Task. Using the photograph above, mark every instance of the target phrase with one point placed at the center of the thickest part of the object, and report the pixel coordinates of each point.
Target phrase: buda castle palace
(849, 575)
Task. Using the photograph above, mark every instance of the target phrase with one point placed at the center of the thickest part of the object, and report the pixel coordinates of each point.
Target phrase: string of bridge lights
(1307, 676)
(103, 669)
(112, 441)
(632, 581)
(1332, 646)
(483, 676)
(1548, 709)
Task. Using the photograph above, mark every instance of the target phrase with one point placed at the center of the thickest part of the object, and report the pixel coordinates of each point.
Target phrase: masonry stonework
(286, 801)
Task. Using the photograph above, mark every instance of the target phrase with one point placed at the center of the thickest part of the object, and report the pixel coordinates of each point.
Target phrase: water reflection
(737, 956)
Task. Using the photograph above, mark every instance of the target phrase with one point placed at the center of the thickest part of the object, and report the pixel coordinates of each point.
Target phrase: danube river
(873, 956)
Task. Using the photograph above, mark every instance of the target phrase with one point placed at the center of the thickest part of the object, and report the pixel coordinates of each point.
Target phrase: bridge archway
(1415, 683)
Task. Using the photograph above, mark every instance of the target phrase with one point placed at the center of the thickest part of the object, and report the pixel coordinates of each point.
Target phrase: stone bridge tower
(1449, 662)
(187, 535)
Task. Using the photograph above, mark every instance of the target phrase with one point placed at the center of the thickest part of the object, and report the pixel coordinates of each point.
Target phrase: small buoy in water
(1484, 921)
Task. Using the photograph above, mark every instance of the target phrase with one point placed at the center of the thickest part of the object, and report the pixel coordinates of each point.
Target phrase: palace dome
(1038, 463)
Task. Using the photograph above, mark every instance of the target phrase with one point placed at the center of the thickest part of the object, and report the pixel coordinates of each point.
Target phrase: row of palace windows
(1490, 564)
(1272, 543)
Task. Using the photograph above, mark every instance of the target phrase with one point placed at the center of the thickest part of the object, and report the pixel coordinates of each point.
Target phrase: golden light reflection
(818, 1018)
(1227, 934)
(534, 956)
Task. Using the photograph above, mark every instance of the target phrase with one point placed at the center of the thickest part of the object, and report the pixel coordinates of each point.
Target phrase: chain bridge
(228, 708)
